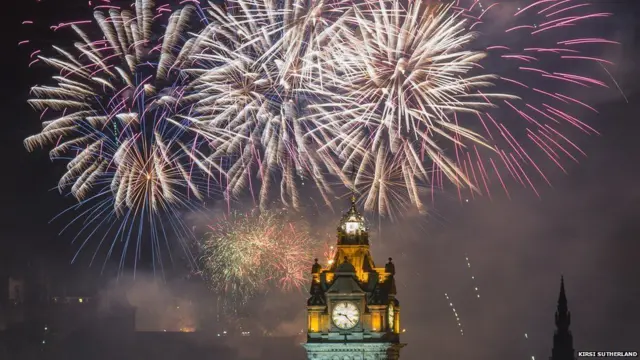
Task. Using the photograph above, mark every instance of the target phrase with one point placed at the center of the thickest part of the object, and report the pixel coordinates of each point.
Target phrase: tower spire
(562, 339)
(353, 185)
(563, 316)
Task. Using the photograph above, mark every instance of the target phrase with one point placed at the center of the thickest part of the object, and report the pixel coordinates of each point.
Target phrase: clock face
(392, 315)
(351, 227)
(345, 315)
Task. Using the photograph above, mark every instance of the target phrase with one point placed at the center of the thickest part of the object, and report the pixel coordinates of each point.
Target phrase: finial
(390, 268)
(563, 316)
(563, 296)
(353, 184)
(316, 268)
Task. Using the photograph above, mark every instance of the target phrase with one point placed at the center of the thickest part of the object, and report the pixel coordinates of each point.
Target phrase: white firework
(399, 86)
(262, 57)
(116, 94)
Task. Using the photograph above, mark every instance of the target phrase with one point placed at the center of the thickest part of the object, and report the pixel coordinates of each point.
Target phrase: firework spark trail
(526, 337)
(544, 120)
(408, 81)
(383, 187)
(455, 313)
(245, 254)
(290, 91)
(110, 114)
(473, 278)
(329, 253)
(260, 57)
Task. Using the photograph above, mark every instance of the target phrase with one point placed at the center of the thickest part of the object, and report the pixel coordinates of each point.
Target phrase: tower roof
(346, 268)
(352, 215)
(562, 339)
(345, 281)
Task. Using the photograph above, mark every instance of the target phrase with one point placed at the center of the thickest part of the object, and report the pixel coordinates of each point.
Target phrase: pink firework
(546, 55)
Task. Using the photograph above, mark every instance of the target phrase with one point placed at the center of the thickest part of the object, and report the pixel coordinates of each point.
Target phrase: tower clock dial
(392, 317)
(345, 315)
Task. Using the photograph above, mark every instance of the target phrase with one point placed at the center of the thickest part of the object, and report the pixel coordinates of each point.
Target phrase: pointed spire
(563, 316)
(354, 206)
(353, 186)
(353, 177)
(562, 339)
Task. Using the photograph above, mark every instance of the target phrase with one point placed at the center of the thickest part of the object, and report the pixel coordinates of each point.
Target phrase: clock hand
(350, 318)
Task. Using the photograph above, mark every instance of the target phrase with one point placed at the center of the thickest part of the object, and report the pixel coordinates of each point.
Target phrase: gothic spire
(562, 339)
(563, 316)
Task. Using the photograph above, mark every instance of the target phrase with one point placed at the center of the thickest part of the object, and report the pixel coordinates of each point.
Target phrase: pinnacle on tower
(316, 268)
(353, 184)
(390, 268)
(562, 339)
(563, 316)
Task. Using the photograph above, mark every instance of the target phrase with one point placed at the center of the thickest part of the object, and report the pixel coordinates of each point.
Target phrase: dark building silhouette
(562, 339)
(48, 329)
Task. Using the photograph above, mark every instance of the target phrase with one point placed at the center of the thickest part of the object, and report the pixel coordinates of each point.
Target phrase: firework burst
(383, 187)
(411, 90)
(113, 116)
(282, 92)
(246, 254)
(329, 253)
(261, 55)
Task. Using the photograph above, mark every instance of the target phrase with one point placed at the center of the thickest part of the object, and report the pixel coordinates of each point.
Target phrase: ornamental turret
(352, 229)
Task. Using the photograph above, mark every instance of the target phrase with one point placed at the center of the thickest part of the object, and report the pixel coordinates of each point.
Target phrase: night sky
(586, 227)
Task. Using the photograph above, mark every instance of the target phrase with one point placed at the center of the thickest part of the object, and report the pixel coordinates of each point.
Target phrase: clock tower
(353, 313)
